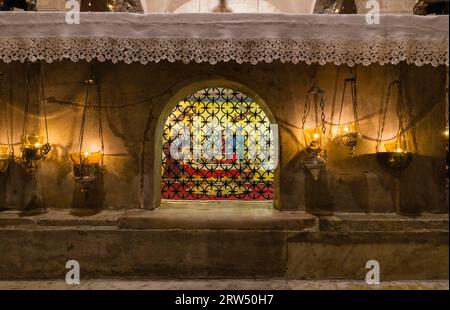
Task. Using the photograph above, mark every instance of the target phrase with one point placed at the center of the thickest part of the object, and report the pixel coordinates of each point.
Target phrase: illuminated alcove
(217, 141)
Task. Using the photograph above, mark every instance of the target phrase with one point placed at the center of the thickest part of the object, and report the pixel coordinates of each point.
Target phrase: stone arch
(152, 185)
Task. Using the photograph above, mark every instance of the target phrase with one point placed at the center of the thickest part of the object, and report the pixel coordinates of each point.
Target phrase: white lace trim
(349, 52)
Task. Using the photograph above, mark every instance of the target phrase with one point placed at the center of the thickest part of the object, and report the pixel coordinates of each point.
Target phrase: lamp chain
(43, 102)
(90, 82)
(4, 106)
(384, 114)
(353, 88)
(27, 102)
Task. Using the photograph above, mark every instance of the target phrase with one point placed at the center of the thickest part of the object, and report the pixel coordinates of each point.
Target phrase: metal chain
(323, 117)
(333, 107)
(90, 83)
(43, 102)
(100, 123)
(27, 103)
(407, 110)
(3, 105)
(342, 101)
(384, 114)
(306, 110)
(352, 80)
(83, 118)
(355, 99)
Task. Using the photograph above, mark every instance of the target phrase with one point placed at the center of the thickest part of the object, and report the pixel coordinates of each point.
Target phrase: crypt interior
(314, 140)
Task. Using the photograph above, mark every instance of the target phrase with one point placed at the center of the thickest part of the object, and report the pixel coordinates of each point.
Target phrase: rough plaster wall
(349, 184)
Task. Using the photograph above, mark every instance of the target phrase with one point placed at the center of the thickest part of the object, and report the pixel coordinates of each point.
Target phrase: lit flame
(398, 150)
(316, 136)
(346, 129)
(37, 145)
(86, 154)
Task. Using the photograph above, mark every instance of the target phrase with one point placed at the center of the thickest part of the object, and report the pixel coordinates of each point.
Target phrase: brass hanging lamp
(396, 156)
(349, 134)
(315, 155)
(34, 147)
(88, 164)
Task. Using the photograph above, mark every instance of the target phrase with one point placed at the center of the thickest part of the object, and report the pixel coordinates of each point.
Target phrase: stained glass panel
(217, 144)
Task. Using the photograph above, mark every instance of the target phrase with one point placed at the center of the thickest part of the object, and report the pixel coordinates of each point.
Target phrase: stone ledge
(342, 222)
(219, 220)
(204, 217)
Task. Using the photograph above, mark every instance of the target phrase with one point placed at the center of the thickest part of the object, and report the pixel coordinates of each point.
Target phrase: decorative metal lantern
(315, 156)
(349, 134)
(396, 161)
(314, 162)
(396, 158)
(87, 165)
(86, 168)
(34, 147)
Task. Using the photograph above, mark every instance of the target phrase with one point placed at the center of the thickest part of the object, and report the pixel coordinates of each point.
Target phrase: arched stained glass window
(217, 145)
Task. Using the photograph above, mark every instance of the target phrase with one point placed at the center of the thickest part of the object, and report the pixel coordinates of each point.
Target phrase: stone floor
(222, 285)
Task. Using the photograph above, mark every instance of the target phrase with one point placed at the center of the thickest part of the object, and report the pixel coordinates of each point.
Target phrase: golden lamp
(349, 137)
(33, 149)
(87, 168)
(315, 158)
(396, 158)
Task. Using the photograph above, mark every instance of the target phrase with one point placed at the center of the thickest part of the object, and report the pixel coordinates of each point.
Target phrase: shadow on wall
(360, 185)
(18, 189)
(89, 197)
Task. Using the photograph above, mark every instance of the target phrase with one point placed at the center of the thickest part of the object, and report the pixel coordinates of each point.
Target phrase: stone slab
(218, 218)
(42, 253)
(402, 255)
(343, 222)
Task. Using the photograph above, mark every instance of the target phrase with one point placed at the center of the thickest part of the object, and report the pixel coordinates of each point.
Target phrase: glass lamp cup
(32, 147)
(86, 158)
(313, 138)
(349, 137)
(86, 168)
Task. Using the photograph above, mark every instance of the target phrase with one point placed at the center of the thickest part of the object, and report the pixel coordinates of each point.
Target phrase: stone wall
(130, 181)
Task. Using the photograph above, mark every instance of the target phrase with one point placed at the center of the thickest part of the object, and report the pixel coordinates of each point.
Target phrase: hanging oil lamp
(34, 147)
(88, 165)
(315, 156)
(349, 134)
(396, 158)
